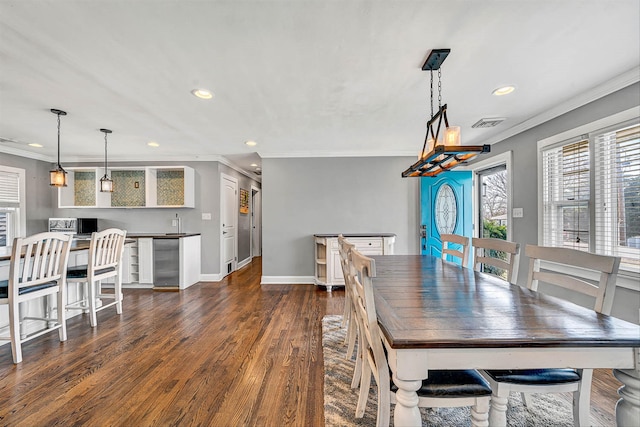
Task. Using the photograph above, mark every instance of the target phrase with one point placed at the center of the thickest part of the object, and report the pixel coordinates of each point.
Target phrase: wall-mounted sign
(244, 201)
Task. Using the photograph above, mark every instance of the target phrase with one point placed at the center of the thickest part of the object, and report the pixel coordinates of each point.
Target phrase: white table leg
(498, 410)
(406, 412)
(628, 407)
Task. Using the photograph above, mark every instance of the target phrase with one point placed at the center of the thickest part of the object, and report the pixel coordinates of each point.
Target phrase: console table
(328, 271)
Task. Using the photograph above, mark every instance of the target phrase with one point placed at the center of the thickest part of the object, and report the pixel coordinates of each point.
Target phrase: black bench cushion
(466, 383)
(535, 376)
(4, 288)
(80, 271)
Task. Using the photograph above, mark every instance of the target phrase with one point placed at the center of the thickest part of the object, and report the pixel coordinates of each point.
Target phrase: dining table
(437, 315)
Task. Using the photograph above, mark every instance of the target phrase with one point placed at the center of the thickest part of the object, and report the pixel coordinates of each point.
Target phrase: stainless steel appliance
(64, 225)
(166, 262)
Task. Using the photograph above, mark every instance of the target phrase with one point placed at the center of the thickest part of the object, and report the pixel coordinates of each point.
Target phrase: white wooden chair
(105, 261)
(344, 248)
(577, 381)
(437, 391)
(37, 269)
(484, 254)
(456, 246)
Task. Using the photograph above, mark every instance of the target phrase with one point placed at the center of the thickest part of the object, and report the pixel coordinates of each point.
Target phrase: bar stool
(105, 261)
(37, 269)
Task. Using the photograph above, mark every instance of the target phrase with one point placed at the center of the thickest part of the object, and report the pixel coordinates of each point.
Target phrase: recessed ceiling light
(153, 144)
(251, 143)
(258, 169)
(202, 93)
(504, 90)
(33, 144)
(253, 165)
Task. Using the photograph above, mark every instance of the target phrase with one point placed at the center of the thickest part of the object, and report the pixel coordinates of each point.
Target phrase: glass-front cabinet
(133, 187)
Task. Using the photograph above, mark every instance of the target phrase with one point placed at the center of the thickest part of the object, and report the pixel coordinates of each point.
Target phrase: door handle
(224, 232)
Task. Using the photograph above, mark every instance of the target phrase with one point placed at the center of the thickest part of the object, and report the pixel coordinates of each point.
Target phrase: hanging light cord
(439, 88)
(58, 114)
(105, 154)
(431, 93)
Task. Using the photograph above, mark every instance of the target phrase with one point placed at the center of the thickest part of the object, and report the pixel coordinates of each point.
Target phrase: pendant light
(106, 184)
(441, 150)
(58, 176)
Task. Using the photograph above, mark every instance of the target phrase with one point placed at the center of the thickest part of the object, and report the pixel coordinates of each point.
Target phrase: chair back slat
(455, 239)
(37, 259)
(486, 254)
(590, 274)
(106, 248)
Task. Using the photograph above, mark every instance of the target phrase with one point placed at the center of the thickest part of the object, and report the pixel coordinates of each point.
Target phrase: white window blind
(617, 202)
(591, 194)
(9, 189)
(566, 195)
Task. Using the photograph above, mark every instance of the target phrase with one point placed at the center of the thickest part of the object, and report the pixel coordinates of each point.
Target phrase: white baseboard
(216, 277)
(243, 263)
(287, 280)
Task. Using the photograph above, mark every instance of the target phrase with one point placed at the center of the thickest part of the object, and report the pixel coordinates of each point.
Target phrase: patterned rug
(340, 399)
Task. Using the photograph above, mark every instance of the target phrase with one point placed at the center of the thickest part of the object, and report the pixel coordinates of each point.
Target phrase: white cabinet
(145, 260)
(328, 271)
(133, 187)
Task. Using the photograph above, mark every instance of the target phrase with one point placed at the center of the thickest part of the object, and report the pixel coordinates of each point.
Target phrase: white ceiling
(302, 78)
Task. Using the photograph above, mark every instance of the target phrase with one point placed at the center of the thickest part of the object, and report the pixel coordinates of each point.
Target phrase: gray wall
(40, 197)
(305, 196)
(525, 178)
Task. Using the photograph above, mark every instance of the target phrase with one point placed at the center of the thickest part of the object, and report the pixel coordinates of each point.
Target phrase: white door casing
(228, 224)
(256, 221)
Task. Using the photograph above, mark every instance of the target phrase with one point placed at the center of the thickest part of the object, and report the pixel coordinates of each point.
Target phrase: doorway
(228, 224)
(256, 221)
(493, 197)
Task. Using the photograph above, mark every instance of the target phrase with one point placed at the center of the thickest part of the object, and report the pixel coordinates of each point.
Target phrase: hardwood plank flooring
(217, 354)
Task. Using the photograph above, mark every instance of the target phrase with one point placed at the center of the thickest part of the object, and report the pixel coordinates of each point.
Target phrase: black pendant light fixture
(106, 184)
(441, 151)
(58, 176)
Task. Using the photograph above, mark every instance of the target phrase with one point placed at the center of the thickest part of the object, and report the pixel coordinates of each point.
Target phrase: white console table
(328, 271)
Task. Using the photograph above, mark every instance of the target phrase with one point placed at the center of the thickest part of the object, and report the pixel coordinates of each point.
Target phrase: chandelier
(441, 150)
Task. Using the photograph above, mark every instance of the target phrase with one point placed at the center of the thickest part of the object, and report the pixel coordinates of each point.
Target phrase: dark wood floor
(217, 354)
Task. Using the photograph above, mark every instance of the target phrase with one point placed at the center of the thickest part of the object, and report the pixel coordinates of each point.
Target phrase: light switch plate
(206, 217)
(518, 212)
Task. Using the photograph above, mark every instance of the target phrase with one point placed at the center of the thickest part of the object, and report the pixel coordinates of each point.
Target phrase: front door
(446, 208)
(228, 223)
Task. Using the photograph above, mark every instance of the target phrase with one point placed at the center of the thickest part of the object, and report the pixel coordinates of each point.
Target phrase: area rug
(340, 399)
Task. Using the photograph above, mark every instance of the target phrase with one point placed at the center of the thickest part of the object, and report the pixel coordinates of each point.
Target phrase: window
(591, 193)
(11, 201)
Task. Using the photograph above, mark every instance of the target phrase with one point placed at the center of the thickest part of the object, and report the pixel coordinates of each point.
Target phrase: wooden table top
(424, 302)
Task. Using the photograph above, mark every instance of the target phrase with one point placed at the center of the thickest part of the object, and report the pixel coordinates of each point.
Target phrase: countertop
(161, 235)
(357, 235)
(76, 245)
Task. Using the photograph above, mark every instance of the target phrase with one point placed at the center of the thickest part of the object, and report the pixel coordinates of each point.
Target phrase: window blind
(9, 189)
(566, 193)
(617, 201)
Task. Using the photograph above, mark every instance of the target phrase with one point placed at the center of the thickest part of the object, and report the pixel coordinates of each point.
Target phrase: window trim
(626, 279)
(22, 220)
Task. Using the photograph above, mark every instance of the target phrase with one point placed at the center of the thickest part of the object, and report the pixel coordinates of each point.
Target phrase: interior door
(229, 224)
(446, 208)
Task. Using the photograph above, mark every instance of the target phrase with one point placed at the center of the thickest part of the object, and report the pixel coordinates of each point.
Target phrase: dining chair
(456, 246)
(489, 254)
(37, 269)
(105, 262)
(601, 290)
(344, 248)
(442, 388)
